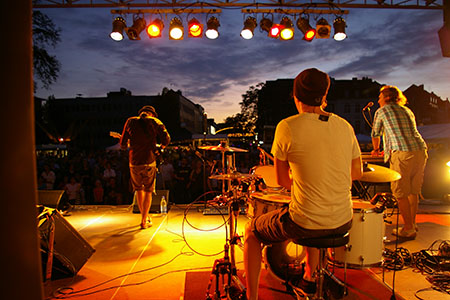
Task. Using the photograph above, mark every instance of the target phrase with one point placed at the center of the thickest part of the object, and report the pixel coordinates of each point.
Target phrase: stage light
(118, 26)
(275, 31)
(323, 29)
(339, 29)
(176, 29)
(249, 27)
(155, 28)
(267, 25)
(308, 32)
(195, 28)
(212, 26)
(287, 29)
(135, 30)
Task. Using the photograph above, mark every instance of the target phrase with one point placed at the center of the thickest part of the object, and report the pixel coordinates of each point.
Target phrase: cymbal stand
(227, 264)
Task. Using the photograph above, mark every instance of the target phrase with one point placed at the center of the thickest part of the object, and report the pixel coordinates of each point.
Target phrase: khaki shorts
(411, 166)
(143, 177)
(277, 226)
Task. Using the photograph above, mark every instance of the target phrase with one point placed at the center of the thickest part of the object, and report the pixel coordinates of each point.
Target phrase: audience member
(72, 189)
(49, 177)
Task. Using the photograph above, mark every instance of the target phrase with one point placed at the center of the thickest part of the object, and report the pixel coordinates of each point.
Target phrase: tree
(245, 121)
(45, 33)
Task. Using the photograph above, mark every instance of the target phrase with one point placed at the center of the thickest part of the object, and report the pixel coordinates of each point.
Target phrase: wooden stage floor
(130, 263)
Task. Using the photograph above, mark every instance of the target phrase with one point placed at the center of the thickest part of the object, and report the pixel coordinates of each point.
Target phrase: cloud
(398, 46)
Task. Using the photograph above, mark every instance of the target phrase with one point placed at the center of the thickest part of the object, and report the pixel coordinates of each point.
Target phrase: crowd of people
(101, 177)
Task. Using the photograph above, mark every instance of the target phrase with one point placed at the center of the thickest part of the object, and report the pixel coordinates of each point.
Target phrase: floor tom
(365, 248)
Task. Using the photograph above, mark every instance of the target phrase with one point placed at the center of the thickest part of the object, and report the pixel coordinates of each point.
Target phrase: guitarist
(141, 134)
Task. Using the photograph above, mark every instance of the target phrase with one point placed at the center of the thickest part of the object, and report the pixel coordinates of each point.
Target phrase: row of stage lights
(283, 30)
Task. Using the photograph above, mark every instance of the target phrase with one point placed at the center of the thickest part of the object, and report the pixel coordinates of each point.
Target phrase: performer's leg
(144, 200)
(312, 260)
(405, 211)
(414, 204)
(252, 262)
(140, 203)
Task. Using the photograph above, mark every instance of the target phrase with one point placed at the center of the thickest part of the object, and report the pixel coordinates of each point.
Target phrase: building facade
(427, 106)
(86, 123)
(348, 99)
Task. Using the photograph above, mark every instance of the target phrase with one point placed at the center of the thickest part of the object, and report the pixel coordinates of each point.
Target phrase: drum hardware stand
(227, 265)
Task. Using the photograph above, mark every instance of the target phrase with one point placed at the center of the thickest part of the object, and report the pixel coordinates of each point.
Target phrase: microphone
(370, 104)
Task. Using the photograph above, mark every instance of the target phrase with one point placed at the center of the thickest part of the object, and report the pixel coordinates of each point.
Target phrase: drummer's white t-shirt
(320, 153)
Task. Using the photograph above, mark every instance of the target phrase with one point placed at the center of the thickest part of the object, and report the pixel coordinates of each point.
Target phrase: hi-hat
(231, 176)
(222, 148)
(378, 174)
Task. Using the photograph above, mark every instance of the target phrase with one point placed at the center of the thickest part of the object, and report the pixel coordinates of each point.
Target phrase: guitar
(158, 152)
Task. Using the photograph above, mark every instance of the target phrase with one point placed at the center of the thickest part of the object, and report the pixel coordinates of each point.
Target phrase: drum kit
(365, 248)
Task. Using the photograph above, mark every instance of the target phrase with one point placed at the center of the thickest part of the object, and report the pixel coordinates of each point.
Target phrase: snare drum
(261, 203)
(267, 172)
(366, 244)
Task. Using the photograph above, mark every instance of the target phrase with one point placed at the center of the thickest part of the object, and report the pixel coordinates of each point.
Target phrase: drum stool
(322, 244)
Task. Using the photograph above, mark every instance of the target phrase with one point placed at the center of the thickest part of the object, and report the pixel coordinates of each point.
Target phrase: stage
(174, 258)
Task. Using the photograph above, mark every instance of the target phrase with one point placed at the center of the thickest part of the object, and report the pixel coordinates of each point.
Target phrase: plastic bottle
(163, 205)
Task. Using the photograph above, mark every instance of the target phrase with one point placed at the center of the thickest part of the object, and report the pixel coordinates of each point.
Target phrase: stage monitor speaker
(50, 198)
(155, 208)
(70, 250)
(444, 39)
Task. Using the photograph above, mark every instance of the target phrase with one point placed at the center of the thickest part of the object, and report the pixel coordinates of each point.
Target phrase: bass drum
(366, 244)
(284, 260)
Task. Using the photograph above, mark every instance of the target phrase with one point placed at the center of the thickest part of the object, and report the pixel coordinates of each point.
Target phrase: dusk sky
(392, 46)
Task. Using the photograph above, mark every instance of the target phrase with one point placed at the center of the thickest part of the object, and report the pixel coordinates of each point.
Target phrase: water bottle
(163, 205)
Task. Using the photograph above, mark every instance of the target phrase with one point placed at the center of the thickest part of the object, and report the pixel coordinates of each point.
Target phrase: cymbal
(236, 175)
(378, 174)
(222, 148)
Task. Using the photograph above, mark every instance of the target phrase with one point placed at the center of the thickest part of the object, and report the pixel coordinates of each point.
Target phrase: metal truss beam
(180, 4)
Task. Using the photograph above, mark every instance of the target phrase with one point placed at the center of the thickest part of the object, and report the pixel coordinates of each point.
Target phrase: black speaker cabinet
(155, 208)
(70, 250)
(444, 39)
(50, 198)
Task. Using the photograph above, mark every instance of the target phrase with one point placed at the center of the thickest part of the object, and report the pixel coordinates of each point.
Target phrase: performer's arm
(282, 173)
(357, 168)
(376, 145)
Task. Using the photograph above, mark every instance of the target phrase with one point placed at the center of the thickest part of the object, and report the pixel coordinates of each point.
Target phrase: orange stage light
(195, 28)
(155, 28)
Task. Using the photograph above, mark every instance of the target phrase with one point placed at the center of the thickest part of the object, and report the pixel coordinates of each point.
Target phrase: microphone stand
(365, 117)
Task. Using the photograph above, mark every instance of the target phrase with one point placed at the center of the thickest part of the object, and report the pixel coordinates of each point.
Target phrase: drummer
(323, 154)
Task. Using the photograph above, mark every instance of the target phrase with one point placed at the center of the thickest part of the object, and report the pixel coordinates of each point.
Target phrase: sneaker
(408, 234)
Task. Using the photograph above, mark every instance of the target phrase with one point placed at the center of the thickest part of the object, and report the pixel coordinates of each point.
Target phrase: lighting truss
(179, 4)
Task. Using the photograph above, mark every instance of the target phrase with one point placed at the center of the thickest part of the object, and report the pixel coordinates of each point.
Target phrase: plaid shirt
(398, 126)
